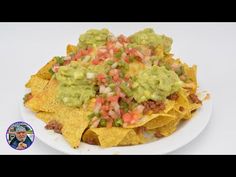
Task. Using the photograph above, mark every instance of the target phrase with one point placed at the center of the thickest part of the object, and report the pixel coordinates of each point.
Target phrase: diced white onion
(103, 50)
(111, 52)
(107, 90)
(117, 108)
(114, 65)
(90, 75)
(123, 55)
(97, 107)
(112, 114)
(118, 45)
(102, 88)
(140, 109)
(110, 93)
(86, 59)
(95, 123)
(67, 58)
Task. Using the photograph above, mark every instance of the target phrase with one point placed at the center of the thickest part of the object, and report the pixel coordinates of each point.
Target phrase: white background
(25, 47)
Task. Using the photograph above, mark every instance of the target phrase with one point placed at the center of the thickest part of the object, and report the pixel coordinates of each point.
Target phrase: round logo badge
(20, 135)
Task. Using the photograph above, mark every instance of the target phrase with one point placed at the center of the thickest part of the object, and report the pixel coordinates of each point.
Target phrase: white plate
(185, 133)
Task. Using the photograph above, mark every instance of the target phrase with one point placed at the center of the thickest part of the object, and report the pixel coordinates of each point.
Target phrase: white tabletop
(25, 47)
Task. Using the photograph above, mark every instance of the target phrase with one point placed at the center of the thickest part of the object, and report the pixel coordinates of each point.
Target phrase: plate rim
(206, 108)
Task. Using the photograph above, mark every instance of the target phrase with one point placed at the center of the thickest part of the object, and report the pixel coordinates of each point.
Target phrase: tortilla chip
(46, 100)
(108, 137)
(192, 107)
(169, 128)
(132, 139)
(169, 104)
(159, 121)
(147, 118)
(36, 84)
(74, 123)
(44, 71)
(182, 102)
(184, 106)
(73, 120)
(71, 49)
(46, 116)
(135, 68)
(191, 73)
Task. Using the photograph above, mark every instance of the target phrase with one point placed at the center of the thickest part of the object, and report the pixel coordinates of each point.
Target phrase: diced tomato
(130, 117)
(96, 61)
(104, 114)
(116, 78)
(113, 98)
(89, 50)
(126, 59)
(110, 44)
(105, 108)
(115, 50)
(76, 57)
(135, 115)
(122, 39)
(114, 72)
(101, 77)
(127, 117)
(81, 53)
(84, 52)
(103, 56)
(131, 51)
(100, 100)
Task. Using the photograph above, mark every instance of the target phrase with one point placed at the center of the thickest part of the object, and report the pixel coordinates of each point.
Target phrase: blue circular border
(27, 125)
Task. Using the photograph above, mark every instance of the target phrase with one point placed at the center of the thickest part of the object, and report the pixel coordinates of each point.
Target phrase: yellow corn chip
(191, 73)
(44, 71)
(46, 116)
(108, 137)
(74, 123)
(135, 68)
(46, 100)
(147, 118)
(159, 121)
(169, 128)
(182, 103)
(71, 49)
(36, 84)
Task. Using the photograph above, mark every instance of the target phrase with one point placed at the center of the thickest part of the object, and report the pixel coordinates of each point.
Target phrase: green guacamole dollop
(94, 37)
(74, 88)
(149, 38)
(155, 83)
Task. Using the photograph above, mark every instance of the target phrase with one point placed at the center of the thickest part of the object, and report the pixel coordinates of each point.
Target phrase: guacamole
(148, 37)
(94, 38)
(155, 83)
(74, 89)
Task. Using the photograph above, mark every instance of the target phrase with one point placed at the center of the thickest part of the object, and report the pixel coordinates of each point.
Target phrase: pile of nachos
(114, 90)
